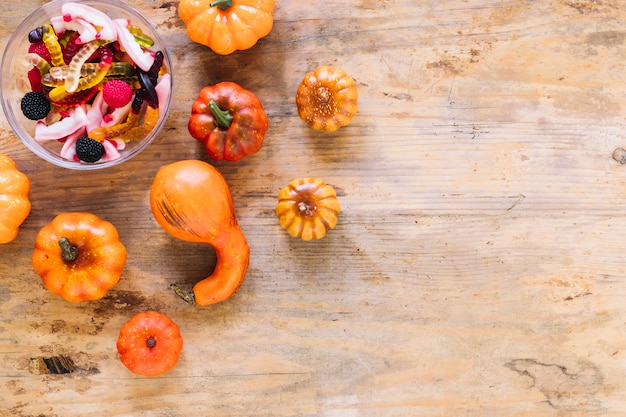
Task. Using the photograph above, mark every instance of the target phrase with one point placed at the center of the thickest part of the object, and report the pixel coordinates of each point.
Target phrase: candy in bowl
(86, 84)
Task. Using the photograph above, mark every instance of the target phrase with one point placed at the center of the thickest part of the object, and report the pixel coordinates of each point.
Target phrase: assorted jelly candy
(95, 83)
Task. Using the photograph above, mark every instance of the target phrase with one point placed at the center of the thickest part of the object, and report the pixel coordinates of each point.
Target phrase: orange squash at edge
(14, 203)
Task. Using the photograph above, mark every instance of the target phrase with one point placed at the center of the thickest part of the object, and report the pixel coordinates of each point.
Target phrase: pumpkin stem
(323, 94)
(223, 118)
(305, 209)
(222, 4)
(151, 342)
(69, 253)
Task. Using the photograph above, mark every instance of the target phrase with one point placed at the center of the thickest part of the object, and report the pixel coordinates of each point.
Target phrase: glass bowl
(55, 142)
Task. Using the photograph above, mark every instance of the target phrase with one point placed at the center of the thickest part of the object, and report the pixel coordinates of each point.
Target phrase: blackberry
(35, 105)
(88, 149)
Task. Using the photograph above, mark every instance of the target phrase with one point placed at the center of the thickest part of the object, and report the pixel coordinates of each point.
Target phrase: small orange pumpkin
(149, 344)
(327, 98)
(307, 208)
(79, 256)
(14, 202)
(227, 25)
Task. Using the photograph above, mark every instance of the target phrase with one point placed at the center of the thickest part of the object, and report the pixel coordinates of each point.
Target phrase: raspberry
(35, 105)
(88, 149)
(40, 49)
(117, 93)
(34, 76)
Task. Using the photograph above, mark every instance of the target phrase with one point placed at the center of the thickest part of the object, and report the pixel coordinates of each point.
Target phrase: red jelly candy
(34, 76)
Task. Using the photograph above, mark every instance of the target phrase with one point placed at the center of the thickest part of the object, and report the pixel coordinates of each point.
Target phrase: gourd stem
(185, 296)
(69, 253)
(223, 118)
(222, 4)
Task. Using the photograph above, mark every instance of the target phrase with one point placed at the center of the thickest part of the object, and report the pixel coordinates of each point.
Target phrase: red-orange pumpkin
(149, 344)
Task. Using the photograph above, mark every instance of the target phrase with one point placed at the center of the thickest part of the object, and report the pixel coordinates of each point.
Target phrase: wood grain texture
(477, 268)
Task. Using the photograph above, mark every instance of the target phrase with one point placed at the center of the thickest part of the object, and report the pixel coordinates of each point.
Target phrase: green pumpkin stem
(223, 118)
(222, 4)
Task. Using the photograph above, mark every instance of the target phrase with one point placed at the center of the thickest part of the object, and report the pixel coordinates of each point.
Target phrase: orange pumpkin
(149, 344)
(79, 256)
(327, 98)
(14, 202)
(191, 200)
(227, 25)
(307, 208)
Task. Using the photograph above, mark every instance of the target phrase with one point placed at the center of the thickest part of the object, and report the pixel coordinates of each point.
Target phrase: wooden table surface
(477, 268)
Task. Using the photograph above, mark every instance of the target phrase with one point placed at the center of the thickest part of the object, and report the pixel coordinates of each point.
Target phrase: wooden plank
(477, 265)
